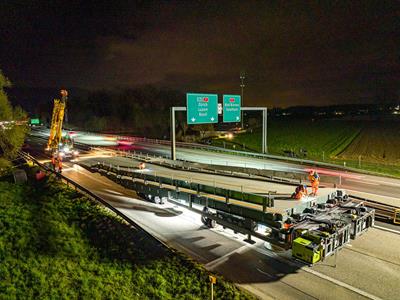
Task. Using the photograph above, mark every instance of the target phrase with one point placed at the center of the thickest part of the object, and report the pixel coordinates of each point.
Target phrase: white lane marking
(380, 182)
(387, 229)
(112, 192)
(222, 259)
(90, 176)
(265, 273)
(363, 182)
(318, 274)
(274, 256)
(342, 284)
(371, 194)
(374, 182)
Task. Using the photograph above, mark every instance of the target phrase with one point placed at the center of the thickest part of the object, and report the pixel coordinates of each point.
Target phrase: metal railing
(90, 195)
(383, 211)
(240, 153)
(249, 171)
(189, 183)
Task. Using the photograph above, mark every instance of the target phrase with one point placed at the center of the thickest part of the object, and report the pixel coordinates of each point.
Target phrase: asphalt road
(383, 189)
(363, 268)
(369, 268)
(369, 185)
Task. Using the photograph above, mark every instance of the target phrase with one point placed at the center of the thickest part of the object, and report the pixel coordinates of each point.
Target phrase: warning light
(205, 99)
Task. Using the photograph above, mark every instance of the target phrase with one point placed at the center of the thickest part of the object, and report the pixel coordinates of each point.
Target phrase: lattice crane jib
(57, 121)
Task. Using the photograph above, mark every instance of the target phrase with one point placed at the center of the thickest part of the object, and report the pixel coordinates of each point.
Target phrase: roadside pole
(213, 281)
(264, 125)
(172, 128)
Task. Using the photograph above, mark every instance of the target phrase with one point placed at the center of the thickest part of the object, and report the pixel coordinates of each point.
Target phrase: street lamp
(242, 77)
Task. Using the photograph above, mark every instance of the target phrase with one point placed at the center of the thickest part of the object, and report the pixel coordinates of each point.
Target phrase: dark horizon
(293, 54)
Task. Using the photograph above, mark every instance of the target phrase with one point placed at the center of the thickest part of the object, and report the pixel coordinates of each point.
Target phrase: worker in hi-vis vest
(314, 180)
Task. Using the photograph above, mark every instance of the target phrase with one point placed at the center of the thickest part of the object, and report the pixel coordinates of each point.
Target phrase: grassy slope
(56, 244)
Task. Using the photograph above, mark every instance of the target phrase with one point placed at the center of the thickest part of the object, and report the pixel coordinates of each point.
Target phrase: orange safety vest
(40, 175)
(287, 226)
(313, 179)
(299, 195)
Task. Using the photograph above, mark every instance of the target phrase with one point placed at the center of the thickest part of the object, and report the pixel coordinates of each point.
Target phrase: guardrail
(265, 201)
(252, 154)
(238, 152)
(90, 195)
(291, 178)
(383, 211)
(179, 195)
(230, 151)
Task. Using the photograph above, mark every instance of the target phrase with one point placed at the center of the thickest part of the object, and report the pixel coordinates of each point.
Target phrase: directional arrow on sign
(237, 118)
(212, 119)
(193, 119)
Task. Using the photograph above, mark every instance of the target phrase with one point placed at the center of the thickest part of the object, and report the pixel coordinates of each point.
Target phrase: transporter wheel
(211, 223)
(204, 219)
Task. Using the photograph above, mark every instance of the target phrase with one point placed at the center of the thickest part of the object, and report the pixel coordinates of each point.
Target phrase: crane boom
(57, 122)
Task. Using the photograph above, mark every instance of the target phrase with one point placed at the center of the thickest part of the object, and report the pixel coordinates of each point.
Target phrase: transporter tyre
(204, 220)
(211, 223)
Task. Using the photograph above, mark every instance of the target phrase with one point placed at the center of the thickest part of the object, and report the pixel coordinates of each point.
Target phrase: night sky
(293, 53)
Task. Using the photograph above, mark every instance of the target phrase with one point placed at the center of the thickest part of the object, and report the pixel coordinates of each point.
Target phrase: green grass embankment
(57, 244)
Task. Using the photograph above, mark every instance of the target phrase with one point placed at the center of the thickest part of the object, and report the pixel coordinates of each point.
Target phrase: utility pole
(242, 77)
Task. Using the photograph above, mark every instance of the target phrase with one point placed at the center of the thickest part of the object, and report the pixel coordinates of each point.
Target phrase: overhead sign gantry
(203, 109)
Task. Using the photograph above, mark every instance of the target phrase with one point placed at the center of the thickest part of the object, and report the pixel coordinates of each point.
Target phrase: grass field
(378, 142)
(56, 244)
(372, 146)
(320, 138)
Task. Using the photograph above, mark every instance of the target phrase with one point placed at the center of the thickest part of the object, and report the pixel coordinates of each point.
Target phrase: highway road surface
(368, 186)
(369, 268)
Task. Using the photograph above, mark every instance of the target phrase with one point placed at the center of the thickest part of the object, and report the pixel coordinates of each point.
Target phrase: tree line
(12, 126)
(139, 111)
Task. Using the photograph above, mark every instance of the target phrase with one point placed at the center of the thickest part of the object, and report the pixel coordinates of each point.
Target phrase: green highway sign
(35, 121)
(202, 108)
(231, 108)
